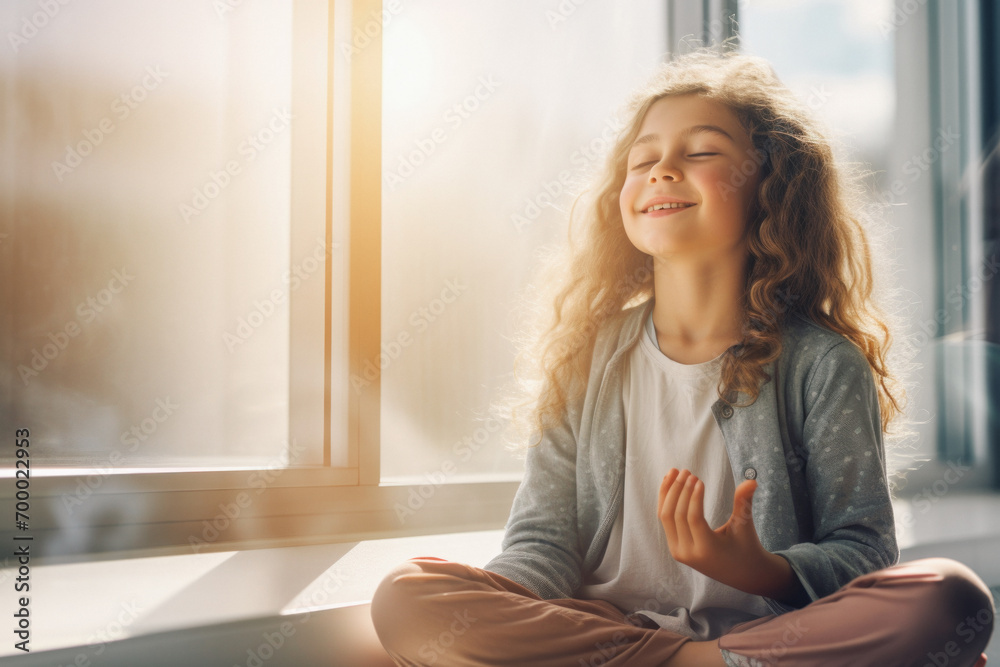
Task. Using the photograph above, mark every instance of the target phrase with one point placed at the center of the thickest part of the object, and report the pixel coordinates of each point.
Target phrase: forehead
(676, 115)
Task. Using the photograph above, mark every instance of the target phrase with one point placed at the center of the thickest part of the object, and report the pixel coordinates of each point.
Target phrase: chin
(661, 251)
(659, 243)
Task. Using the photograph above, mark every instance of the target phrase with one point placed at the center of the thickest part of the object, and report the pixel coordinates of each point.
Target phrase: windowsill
(961, 525)
(75, 607)
(79, 606)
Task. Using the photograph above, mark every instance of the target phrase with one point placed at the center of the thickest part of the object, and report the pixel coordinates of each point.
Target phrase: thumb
(743, 503)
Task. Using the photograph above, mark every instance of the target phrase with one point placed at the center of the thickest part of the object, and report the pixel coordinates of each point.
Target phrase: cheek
(722, 180)
(730, 188)
(745, 194)
(626, 199)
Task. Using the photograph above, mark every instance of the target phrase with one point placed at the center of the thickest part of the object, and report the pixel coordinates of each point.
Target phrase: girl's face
(689, 154)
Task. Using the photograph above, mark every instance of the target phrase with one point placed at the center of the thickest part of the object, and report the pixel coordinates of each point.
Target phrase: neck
(699, 303)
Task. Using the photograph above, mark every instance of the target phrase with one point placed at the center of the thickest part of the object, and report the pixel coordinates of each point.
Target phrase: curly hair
(808, 253)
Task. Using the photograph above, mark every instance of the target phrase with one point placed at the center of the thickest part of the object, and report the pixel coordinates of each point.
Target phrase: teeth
(657, 207)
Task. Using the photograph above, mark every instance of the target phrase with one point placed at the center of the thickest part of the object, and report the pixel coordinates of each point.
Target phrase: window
(964, 123)
(839, 58)
(146, 272)
(990, 27)
(167, 253)
(245, 300)
(931, 153)
(487, 136)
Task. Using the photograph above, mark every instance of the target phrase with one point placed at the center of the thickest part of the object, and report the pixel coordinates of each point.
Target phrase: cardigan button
(750, 473)
(727, 411)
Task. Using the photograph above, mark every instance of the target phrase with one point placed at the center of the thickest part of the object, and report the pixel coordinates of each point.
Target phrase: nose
(664, 171)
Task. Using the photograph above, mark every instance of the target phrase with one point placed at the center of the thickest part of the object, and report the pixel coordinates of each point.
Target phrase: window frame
(957, 88)
(708, 22)
(954, 53)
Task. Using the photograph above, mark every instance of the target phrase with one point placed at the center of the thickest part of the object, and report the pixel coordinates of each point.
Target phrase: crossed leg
(428, 611)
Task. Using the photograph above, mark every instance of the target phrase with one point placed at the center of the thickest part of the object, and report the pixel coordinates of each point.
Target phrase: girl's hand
(732, 553)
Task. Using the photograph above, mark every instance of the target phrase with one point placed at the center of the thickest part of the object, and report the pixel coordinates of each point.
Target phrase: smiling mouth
(659, 207)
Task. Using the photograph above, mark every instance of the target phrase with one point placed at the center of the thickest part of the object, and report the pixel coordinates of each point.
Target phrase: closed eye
(701, 154)
(644, 164)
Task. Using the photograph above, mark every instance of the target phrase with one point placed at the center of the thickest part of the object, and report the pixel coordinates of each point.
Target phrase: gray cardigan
(812, 439)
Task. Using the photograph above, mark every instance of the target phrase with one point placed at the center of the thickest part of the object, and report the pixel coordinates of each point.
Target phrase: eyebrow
(694, 129)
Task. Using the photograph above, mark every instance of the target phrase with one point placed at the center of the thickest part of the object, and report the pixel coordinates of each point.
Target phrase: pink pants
(934, 612)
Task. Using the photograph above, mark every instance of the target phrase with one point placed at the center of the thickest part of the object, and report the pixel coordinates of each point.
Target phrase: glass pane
(492, 114)
(839, 57)
(146, 190)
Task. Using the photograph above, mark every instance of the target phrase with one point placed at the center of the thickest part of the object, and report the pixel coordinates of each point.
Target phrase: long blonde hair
(808, 251)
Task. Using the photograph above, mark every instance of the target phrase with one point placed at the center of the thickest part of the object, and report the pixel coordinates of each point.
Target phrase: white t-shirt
(669, 424)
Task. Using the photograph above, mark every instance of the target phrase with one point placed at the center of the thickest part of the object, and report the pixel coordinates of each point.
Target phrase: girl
(708, 484)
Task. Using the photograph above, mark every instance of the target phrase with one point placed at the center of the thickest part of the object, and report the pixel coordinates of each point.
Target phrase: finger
(670, 504)
(668, 480)
(673, 493)
(700, 530)
(684, 538)
(666, 519)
